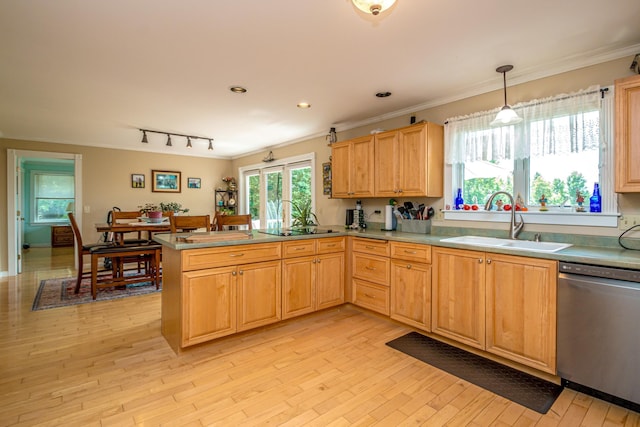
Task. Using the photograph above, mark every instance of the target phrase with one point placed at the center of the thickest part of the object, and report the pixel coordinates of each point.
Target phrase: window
(52, 194)
(559, 150)
(269, 190)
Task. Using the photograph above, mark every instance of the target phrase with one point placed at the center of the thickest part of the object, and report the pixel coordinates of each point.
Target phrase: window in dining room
(51, 195)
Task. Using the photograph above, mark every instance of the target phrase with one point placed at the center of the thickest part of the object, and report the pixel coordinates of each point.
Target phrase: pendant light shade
(506, 115)
(373, 7)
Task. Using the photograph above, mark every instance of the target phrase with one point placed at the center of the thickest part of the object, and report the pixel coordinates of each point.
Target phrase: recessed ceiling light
(383, 94)
(304, 105)
(237, 89)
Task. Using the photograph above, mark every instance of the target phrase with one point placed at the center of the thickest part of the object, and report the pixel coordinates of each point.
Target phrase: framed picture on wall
(193, 182)
(137, 180)
(166, 181)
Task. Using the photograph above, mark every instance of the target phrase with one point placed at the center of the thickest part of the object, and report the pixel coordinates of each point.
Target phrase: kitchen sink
(494, 242)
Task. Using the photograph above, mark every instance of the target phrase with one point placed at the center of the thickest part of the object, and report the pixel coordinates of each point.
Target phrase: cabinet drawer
(298, 248)
(411, 252)
(369, 246)
(372, 268)
(194, 259)
(331, 244)
(370, 295)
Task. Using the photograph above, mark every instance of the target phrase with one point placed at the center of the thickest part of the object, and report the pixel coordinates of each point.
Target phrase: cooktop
(296, 231)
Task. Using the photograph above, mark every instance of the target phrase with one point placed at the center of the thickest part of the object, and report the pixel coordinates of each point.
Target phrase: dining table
(121, 228)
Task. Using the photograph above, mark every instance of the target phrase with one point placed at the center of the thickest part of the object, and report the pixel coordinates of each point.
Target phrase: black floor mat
(519, 387)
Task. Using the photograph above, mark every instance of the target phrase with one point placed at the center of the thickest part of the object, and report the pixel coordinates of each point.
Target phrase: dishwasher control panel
(599, 271)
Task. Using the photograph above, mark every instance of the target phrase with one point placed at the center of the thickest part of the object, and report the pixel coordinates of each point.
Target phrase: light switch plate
(627, 221)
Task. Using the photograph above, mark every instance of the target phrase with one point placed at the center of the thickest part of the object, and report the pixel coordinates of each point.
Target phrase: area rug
(527, 390)
(54, 293)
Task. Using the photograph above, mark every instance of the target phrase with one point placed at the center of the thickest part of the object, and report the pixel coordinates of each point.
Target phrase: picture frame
(194, 182)
(166, 181)
(326, 179)
(137, 180)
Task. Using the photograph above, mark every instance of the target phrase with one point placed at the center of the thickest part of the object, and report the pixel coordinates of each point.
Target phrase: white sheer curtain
(565, 123)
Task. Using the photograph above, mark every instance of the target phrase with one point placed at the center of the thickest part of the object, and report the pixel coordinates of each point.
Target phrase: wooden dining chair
(83, 249)
(227, 222)
(182, 223)
(118, 216)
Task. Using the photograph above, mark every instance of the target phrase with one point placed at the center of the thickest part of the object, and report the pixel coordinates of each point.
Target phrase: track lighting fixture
(634, 64)
(189, 138)
(506, 116)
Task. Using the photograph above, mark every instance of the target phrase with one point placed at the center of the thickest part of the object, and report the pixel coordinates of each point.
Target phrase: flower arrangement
(173, 207)
(231, 182)
(149, 207)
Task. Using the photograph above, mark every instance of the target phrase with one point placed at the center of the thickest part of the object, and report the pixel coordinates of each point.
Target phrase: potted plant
(174, 207)
(301, 214)
(152, 210)
(231, 183)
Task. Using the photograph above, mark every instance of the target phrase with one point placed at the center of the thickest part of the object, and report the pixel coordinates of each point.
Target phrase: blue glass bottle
(595, 201)
(459, 201)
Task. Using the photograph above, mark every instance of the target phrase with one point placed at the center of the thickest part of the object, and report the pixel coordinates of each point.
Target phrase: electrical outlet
(627, 221)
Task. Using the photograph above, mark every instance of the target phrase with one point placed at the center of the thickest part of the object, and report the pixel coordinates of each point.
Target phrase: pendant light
(506, 115)
(373, 7)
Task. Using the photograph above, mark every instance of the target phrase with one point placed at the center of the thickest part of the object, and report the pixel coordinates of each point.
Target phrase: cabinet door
(627, 134)
(209, 299)
(340, 169)
(412, 176)
(259, 294)
(298, 286)
(458, 295)
(388, 164)
(411, 293)
(362, 172)
(521, 310)
(329, 280)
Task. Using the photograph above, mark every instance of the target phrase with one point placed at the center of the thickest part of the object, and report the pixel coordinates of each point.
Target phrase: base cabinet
(503, 304)
(259, 294)
(370, 265)
(313, 281)
(411, 284)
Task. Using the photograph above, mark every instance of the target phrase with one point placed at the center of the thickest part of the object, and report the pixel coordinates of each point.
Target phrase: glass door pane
(273, 181)
(252, 184)
(300, 185)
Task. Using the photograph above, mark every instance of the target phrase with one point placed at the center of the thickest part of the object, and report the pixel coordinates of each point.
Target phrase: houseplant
(301, 214)
(152, 210)
(174, 207)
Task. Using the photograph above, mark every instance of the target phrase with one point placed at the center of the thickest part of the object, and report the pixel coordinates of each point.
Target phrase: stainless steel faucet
(515, 228)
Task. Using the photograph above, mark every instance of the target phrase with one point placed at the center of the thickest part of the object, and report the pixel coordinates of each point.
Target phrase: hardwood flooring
(106, 364)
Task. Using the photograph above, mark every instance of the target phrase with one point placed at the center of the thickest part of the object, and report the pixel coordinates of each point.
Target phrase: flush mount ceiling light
(506, 116)
(237, 89)
(170, 134)
(304, 105)
(373, 7)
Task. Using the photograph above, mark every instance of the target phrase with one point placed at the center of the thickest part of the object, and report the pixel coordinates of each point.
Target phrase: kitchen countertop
(605, 256)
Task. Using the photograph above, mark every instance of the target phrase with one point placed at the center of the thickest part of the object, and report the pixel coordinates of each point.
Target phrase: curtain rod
(532, 103)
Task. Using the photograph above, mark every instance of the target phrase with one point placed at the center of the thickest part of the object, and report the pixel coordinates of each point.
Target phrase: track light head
(144, 137)
(211, 144)
(169, 140)
(189, 142)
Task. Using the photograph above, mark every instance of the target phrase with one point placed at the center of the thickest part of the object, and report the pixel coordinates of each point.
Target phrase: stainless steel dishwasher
(599, 331)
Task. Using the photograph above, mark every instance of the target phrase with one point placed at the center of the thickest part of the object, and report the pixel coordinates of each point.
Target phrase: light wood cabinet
(521, 310)
(410, 162)
(458, 295)
(371, 268)
(312, 282)
(259, 294)
(211, 297)
(352, 174)
(411, 284)
(503, 304)
(627, 134)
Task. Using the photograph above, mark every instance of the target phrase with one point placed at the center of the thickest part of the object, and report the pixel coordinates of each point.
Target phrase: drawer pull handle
(406, 251)
(370, 268)
(369, 296)
(331, 245)
(370, 247)
(299, 248)
(235, 255)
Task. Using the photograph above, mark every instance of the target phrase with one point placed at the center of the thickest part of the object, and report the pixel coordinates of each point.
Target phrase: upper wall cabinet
(406, 162)
(351, 168)
(409, 162)
(628, 135)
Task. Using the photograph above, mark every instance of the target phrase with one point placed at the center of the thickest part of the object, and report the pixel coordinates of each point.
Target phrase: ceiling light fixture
(189, 138)
(237, 89)
(506, 115)
(373, 7)
(304, 105)
(383, 94)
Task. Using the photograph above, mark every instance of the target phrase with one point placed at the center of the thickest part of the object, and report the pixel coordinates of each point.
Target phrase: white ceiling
(94, 72)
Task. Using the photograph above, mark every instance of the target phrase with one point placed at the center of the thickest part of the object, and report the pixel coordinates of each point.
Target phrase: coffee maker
(349, 219)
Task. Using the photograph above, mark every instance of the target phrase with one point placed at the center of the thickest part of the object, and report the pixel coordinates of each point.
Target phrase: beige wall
(106, 181)
(106, 173)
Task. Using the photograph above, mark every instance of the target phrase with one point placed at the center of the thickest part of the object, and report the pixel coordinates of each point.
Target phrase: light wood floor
(106, 364)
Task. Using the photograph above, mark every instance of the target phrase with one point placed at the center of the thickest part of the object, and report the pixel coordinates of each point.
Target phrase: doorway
(16, 203)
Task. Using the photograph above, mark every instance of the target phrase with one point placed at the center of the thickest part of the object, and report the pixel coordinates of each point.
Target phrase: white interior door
(19, 217)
